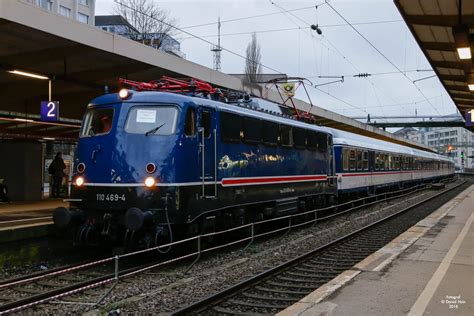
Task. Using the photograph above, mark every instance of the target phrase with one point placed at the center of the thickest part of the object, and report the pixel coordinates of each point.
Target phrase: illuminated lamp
(461, 40)
(149, 182)
(79, 181)
(470, 82)
(124, 93)
(27, 74)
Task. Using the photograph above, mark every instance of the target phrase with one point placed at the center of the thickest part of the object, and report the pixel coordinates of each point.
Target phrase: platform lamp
(462, 42)
(470, 81)
(35, 76)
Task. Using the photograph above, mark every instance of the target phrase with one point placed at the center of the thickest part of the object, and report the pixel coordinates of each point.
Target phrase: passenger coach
(366, 165)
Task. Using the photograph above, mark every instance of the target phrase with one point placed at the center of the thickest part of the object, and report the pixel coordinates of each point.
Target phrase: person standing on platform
(56, 170)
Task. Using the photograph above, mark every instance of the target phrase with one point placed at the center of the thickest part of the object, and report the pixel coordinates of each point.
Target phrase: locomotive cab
(125, 153)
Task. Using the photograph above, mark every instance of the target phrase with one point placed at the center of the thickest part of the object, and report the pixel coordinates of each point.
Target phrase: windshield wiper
(153, 131)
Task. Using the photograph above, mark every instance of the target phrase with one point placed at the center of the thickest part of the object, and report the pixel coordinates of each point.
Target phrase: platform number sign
(470, 118)
(49, 110)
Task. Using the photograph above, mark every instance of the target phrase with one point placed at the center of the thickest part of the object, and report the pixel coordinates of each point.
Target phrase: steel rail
(80, 286)
(216, 298)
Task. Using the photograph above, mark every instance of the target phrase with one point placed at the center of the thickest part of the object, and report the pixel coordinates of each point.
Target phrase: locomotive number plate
(110, 197)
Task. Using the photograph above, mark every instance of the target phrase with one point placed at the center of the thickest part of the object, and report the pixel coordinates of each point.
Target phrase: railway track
(41, 287)
(284, 285)
(52, 285)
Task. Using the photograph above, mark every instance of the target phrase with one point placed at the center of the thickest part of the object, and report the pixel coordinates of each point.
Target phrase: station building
(453, 142)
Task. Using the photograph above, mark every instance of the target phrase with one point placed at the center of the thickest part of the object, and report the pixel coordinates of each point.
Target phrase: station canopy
(444, 31)
(83, 62)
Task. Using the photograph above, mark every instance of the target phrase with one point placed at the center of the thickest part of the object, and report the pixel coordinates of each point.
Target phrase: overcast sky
(289, 46)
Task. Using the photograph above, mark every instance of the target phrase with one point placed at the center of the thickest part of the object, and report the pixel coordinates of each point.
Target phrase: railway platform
(22, 220)
(428, 270)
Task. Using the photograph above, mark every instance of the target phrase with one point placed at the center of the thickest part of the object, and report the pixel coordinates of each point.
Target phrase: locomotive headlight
(149, 182)
(124, 93)
(79, 181)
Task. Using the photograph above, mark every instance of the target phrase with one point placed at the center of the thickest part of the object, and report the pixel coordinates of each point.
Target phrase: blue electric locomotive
(153, 164)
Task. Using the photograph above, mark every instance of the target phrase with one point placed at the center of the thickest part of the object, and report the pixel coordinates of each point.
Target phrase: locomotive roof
(350, 139)
(265, 112)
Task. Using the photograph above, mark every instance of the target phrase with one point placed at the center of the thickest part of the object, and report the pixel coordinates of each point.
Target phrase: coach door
(207, 151)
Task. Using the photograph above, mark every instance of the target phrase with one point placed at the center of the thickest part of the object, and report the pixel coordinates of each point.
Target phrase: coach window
(352, 159)
(286, 136)
(345, 157)
(377, 161)
(252, 130)
(270, 133)
(365, 160)
(190, 124)
(299, 137)
(359, 159)
(230, 127)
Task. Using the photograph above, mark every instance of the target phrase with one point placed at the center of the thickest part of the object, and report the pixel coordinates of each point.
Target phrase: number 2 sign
(49, 110)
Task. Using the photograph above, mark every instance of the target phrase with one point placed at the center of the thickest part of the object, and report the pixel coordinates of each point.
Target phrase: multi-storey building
(454, 142)
(80, 10)
(116, 24)
(119, 25)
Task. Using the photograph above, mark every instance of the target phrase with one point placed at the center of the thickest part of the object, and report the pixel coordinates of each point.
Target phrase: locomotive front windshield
(97, 122)
(152, 120)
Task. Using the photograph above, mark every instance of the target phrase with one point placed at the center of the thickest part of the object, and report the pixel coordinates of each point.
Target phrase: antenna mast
(217, 49)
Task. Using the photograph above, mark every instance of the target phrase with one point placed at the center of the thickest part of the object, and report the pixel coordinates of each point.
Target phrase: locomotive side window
(97, 122)
(317, 140)
(299, 137)
(286, 136)
(322, 141)
(152, 120)
(312, 140)
(190, 124)
(345, 157)
(206, 123)
(270, 133)
(230, 127)
(252, 130)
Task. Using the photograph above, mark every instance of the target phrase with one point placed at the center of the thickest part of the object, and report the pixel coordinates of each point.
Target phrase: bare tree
(253, 67)
(153, 23)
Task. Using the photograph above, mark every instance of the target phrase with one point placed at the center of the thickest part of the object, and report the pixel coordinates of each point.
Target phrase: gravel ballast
(168, 289)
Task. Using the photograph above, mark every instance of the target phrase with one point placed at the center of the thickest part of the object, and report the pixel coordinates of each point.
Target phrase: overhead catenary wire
(382, 54)
(240, 55)
(286, 29)
(337, 51)
(190, 34)
(246, 17)
(211, 43)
